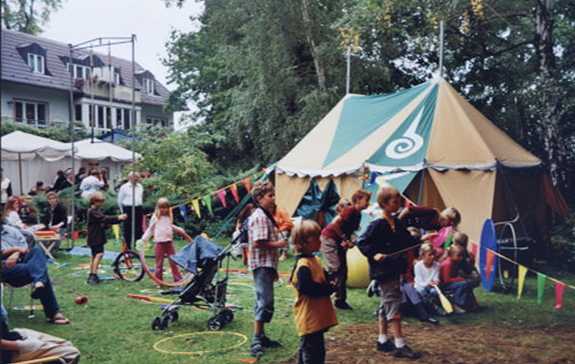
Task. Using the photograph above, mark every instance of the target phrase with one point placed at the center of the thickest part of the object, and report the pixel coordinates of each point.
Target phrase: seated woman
(56, 216)
(23, 344)
(11, 216)
(22, 266)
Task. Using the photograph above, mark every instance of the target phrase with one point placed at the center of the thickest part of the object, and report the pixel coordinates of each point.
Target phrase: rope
(243, 340)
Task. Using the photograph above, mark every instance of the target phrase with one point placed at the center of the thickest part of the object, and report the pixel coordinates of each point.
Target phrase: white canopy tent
(28, 158)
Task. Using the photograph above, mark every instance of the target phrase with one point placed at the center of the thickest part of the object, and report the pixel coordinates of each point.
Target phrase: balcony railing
(38, 123)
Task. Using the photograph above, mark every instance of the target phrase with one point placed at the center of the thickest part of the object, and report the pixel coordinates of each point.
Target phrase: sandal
(59, 319)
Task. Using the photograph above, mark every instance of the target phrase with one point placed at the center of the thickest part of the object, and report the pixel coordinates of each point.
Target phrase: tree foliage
(27, 16)
(263, 72)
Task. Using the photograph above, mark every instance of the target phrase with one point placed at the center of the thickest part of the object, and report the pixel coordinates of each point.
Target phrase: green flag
(540, 287)
(208, 202)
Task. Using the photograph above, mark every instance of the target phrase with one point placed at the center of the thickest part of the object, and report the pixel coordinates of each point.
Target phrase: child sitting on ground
(382, 244)
(336, 239)
(468, 265)
(454, 282)
(427, 274)
(98, 222)
(313, 311)
(162, 229)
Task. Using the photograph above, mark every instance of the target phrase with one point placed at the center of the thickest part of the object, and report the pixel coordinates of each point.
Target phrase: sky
(150, 20)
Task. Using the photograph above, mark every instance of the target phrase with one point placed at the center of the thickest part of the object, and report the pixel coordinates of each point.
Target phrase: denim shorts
(264, 278)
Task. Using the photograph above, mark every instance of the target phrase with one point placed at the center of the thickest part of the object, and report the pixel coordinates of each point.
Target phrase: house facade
(35, 84)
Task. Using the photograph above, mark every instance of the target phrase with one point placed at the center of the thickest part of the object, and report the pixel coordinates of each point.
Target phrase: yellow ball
(357, 269)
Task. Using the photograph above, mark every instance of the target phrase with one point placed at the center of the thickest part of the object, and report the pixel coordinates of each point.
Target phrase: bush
(563, 244)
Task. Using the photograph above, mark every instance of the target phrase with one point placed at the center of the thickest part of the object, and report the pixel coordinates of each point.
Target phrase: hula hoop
(243, 340)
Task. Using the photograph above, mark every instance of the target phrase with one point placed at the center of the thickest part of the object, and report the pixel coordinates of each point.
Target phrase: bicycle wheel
(128, 266)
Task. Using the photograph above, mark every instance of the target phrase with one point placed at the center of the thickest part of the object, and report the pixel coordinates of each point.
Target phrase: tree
(27, 16)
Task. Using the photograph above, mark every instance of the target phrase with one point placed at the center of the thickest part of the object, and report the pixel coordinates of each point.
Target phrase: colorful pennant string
(234, 191)
(196, 207)
(521, 274)
(222, 197)
(247, 182)
(208, 203)
(540, 287)
(559, 291)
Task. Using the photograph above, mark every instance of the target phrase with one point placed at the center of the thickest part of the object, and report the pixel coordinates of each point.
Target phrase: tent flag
(208, 202)
(559, 290)
(489, 263)
(184, 212)
(234, 191)
(407, 146)
(116, 231)
(521, 273)
(222, 198)
(247, 182)
(363, 115)
(540, 287)
(196, 207)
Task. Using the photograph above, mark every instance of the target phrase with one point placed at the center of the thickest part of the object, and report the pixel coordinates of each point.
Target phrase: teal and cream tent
(431, 144)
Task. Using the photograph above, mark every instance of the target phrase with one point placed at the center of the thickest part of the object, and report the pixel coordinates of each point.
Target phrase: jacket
(97, 224)
(55, 216)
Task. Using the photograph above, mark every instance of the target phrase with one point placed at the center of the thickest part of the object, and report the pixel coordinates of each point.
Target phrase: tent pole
(348, 71)
(20, 173)
(441, 35)
(133, 222)
(71, 130)
(93, 121)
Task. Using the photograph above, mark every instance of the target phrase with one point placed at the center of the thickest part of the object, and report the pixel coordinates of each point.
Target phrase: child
(97, 224)
(381, 242)
(162, 229)
(342, 205)
(240, 235)
(427, 276)
(285, 225)
(336, 239)
(454, 282)
(264, 244)
(468, 266)
(313, 311)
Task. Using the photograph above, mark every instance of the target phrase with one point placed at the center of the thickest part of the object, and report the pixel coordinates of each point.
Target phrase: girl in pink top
(162, 229)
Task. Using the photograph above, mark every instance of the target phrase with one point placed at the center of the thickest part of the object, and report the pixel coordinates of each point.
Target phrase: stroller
(203, 259)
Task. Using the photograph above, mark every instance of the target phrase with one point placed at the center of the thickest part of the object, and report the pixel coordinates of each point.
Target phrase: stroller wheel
(227, 316)
(165, 322)
(174, 316)
(215, 324)
(157, 324)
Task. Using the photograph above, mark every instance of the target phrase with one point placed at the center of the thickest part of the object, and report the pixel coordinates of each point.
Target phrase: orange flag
(234, 191)
(247, 182)
(489, 263)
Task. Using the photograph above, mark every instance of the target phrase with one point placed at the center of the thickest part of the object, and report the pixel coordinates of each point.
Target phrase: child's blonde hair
(453, 215)
(425, 248)
(454, 249)
(303, 231)
(342, 204)
(385, 194)
(163, 202)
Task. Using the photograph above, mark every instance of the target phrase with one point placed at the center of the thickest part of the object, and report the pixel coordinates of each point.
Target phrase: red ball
(80, 300)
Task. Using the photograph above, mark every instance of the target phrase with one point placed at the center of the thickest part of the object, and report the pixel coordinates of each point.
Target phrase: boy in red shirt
(336, 239)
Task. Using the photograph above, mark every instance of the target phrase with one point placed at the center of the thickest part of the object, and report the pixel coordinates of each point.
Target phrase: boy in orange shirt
(313, 311)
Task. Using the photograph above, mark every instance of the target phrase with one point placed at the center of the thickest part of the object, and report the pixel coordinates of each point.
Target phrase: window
(127, 119)
(100, 116)
(119, 120)
(117, 78)
(109, 118)
(36, 63)
(80, 71)
(78, 112)
(30, 112)
(149, 86)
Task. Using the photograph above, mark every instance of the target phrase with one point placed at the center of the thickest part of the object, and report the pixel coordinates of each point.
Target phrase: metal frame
(91, 44)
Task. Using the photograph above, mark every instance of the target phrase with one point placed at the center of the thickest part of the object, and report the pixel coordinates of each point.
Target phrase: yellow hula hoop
(243, 340)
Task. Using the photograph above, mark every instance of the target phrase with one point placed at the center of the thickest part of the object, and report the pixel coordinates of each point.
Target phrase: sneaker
(406, 352)
(342, 305)
(256, 349)
(93, 279)
(432, 320)
(372, 289)
(269, 343)
(386, 347)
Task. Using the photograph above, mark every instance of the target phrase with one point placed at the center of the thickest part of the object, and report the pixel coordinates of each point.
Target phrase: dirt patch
(456, 344)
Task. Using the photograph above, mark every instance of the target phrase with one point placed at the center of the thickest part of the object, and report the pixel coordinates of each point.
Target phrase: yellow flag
(522, 272)
(116, 231)
(196, 207)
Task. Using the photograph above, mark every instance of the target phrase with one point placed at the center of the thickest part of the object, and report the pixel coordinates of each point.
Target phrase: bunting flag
(208, 203)
(489, 263)
(222, 197)
(540, 287)
(196, 207)
(521, 274)
(234, 191)
(247, 182)
(474, 249)
(116, 231)
(559, 290)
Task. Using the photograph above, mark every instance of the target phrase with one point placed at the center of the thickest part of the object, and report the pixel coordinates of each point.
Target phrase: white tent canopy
(21, 145)
(100, 150)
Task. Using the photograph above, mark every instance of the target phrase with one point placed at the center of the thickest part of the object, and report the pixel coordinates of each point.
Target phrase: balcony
(101, 89)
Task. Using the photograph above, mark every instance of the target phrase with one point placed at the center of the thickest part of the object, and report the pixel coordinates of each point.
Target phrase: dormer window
(117, 77)
(36, 63)
(149, 86)
(80, 71)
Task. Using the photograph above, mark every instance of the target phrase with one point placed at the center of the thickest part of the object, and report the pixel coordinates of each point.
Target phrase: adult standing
(61, 182)
(132, 194)
(5, 189)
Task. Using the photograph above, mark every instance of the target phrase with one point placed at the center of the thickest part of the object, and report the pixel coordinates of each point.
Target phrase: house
(36, 87)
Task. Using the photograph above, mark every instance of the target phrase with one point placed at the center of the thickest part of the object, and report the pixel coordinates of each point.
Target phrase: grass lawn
(113, 328)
